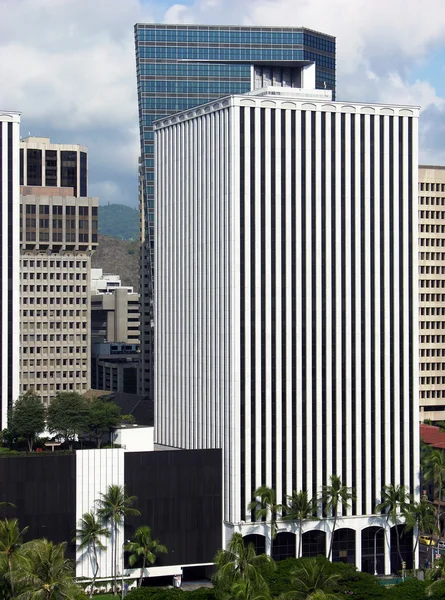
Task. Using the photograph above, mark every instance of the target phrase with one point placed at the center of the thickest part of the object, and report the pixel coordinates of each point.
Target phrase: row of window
(431, 310)
(432, 283)
(231, 53)
(53, 337)
(431, 270)
(54, 350)
(56, 301)
(432, 352)
(432, 339)
(31, 209)
(234, 36)
(432, 367)
(428, 200)
(65, 264)
(431, 242)
(432, 325)
(432, 187)
(431, 380)
(58, 276)
(431, 228)
(53, 288)
(222, 71)
(58, 387)
(432, 256)
(52, 374)
(44, 236)
(51, 325)
(432, 214)
(432, 394)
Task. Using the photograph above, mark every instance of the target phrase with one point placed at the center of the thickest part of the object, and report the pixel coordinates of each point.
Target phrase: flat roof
(231, 27)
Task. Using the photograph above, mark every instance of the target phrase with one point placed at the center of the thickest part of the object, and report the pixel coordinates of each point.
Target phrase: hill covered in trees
(119, 221)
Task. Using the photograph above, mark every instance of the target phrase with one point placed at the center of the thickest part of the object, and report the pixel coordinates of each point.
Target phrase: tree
(88, 535)
(11, 538)
(300, 507)
(113, 507)
(244, 590)
(28, 417)
(311, 579)
(103, 415)
(68, 416)
(145, 547)
(240, 563)
(394, 503)
(43, 573)
(332, 495)
(420, 515)
(264, 503)
(435, 472)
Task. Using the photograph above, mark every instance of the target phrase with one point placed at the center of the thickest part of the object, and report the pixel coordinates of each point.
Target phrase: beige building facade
(431, 279)
(58, 234)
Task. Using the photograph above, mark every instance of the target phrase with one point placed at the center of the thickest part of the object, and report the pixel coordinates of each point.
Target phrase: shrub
(411, 589)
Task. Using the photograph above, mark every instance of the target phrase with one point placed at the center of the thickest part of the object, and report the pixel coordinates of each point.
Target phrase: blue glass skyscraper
(182, 66)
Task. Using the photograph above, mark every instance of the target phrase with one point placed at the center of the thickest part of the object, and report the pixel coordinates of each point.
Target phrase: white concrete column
(358, 549)
(387, 549)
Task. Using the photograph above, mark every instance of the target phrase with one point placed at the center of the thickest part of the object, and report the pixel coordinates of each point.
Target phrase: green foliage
(264, 505)
(102, 416)
(334, 495)
(43, 573)
(144, 547)
(27, 418)
(127, 420)
(240, 562)
(411, 589)
(119, 221)
(355, 584)
(113, 507)
(154, 593)
(68, 416)
(310, 577)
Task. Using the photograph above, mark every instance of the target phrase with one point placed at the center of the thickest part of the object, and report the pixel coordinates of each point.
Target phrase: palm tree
(310, 580)
(11, 539)
(332, 495)
(241, 563)
(421, 515)
(88, 535)
(43, 573)
(264, 503)
(113, 507)
(300, 507)
(435, 472)
(144, 546)
(395, 502)
(244, 590)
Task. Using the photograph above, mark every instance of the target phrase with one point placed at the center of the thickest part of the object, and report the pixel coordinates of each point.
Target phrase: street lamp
(375, 548)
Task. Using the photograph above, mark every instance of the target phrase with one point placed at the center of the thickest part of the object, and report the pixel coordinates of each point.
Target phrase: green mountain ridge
(119, 221)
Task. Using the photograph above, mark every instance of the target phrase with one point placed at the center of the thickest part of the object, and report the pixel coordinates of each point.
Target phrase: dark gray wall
(43, 489)
(180, 497)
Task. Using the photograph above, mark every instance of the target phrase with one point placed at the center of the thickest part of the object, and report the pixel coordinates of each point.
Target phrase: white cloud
(69, 65)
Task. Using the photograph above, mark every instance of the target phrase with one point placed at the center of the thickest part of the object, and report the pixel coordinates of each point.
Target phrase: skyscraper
(9, 261)
(286, 304)
(44, 164)
(431, 292)
(182, 66)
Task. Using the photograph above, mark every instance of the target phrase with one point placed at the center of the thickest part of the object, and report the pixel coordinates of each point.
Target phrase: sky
(68, 66)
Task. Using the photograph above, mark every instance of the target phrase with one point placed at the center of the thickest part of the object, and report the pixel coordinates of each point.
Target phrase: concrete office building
(432, 291)
(286, 305)
(114, 310)
(58, 235)
(182, 66)
(44, 164)
(9, 262)
(115, 334)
